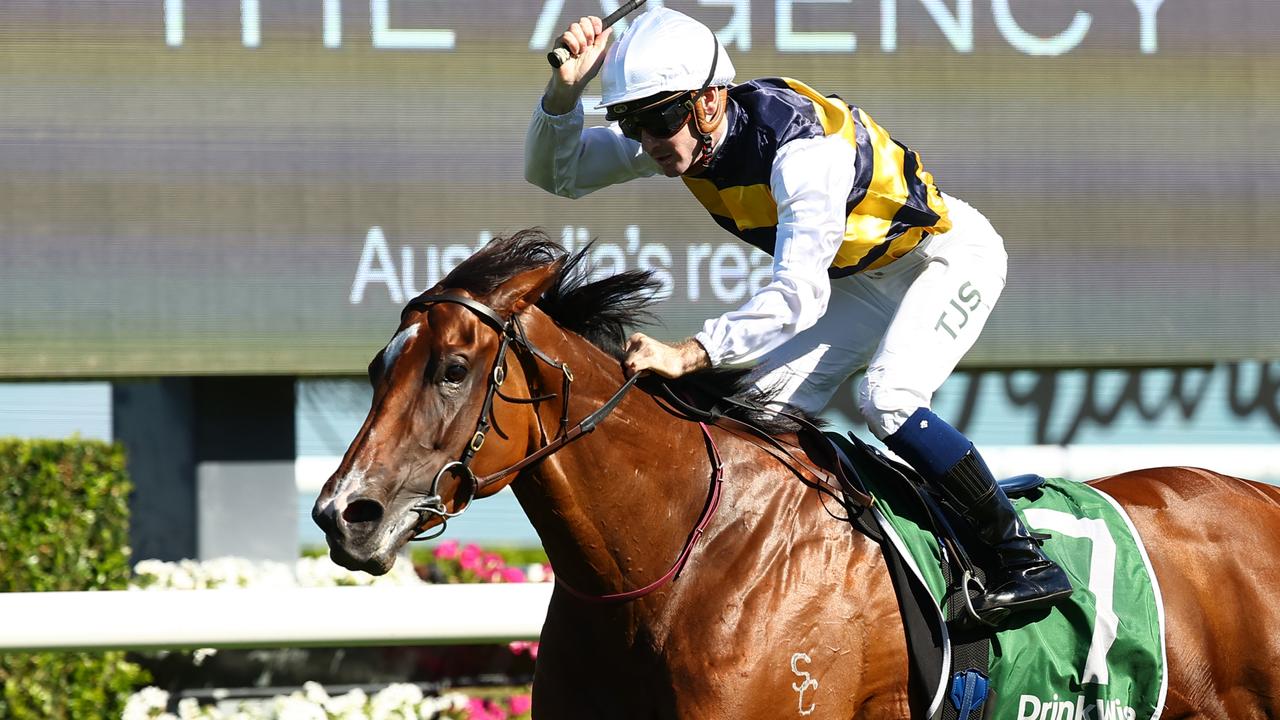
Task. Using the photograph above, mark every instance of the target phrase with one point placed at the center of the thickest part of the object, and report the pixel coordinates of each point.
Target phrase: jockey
(873, 266)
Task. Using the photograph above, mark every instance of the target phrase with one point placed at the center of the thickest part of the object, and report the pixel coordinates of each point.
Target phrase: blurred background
(216, 208)
(211, 212)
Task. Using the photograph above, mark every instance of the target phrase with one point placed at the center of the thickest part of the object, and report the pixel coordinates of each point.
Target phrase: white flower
(343, 706)
(402, 573)
(315, 692)
(151, 571)
(190, 709)
(199, 655)
(432, 707)
(180, 577)
(297, 707)
(396, 702)
(276, 575)
(149, 702)
(231, 572)
(220, 572)
(536, 573)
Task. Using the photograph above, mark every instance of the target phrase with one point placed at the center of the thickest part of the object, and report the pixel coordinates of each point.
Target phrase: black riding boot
(1023, 577)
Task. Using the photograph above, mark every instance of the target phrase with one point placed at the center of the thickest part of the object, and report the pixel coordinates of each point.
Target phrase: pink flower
(520, 704)
(523, 646)
(479, 709)
(513, 575)
(447, 550)
(494, 560)
(469, 558)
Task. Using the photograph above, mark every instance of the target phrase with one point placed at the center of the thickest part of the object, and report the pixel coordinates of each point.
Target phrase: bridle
(511, 333)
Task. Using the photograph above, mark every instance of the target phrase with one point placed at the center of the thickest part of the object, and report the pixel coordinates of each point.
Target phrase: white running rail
(266, 618)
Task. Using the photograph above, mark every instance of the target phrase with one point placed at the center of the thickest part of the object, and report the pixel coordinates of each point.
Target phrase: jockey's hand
(669, 361)
(585, 40)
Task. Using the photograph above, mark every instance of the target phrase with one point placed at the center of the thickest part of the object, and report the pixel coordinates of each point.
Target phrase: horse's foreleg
(589, 669)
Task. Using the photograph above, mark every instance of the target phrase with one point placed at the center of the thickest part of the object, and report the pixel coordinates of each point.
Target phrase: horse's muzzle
(354, 531)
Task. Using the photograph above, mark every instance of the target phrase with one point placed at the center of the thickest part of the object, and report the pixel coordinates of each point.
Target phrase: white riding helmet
(662, 51)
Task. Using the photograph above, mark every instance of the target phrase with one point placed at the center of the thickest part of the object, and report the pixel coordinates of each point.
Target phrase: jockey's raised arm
(875, 268)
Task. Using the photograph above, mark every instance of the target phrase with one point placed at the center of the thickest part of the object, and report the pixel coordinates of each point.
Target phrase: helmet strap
(704, 124)
(702, 128)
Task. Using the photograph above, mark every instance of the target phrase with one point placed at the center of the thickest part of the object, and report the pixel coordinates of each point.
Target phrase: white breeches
(908, 324)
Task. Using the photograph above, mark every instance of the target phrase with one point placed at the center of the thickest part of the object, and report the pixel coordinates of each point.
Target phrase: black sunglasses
(660, 121)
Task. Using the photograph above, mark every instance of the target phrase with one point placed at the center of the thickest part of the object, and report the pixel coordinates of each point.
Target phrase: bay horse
(493, 377)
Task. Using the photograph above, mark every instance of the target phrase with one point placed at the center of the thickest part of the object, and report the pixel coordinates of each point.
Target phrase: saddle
(1099, 653)
(948, 653)
(944, 654)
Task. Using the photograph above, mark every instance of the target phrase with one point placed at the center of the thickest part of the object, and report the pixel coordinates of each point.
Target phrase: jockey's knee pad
(886, 408)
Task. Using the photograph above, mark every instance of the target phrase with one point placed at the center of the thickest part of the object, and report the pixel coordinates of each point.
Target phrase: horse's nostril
(362, 511)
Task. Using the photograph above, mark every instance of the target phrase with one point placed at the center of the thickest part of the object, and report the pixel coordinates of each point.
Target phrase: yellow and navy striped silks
(893, 203)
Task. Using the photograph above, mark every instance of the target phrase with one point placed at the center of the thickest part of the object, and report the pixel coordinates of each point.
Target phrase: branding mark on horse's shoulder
(809, 682)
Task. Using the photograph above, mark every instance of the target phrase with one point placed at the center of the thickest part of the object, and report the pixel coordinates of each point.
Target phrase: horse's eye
(455, 373)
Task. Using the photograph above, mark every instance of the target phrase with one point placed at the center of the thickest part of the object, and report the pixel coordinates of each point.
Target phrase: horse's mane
(603, 310)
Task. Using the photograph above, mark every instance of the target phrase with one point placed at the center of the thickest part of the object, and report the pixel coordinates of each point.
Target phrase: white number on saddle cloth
(1102, 571)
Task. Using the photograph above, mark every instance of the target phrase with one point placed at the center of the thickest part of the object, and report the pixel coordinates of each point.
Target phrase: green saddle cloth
(1099, 655)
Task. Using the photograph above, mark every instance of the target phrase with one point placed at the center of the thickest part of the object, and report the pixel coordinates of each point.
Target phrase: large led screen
(256, 186)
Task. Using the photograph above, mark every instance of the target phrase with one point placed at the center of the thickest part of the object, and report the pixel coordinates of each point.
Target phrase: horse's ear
(523, 290)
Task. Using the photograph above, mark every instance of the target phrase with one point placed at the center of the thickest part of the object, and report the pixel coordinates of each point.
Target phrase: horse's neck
(611, 507)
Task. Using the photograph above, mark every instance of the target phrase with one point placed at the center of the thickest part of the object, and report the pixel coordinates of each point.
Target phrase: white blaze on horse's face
(355, 477)
(353, 480)
(393, 349)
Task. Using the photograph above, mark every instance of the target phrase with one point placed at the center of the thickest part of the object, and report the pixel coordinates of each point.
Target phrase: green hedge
(64, 525)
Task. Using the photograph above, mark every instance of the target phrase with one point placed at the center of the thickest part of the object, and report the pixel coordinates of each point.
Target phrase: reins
(852, 496)
(511, 333)
(708, 510)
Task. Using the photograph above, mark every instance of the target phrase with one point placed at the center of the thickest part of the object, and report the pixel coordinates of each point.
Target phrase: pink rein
(713, 501)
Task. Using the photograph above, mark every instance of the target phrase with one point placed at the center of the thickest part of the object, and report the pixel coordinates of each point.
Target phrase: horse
(498, 376)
